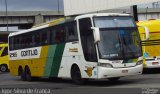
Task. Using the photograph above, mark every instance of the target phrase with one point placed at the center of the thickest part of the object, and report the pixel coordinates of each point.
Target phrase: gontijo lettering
(29, 53)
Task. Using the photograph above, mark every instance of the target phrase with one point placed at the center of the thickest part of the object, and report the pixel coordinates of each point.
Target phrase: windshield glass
(118, 42)
(112, 22)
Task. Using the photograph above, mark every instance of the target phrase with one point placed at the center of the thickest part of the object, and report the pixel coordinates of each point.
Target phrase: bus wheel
(3, 68)
(114, 79)
(28, 74)
(76, 76)
(21, 74)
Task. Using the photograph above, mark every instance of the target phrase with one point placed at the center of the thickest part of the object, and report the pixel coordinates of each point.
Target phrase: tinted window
(57, 34)
(71, 31)
(87, 39)
(44, 36)
(5, 51)
(51, 35)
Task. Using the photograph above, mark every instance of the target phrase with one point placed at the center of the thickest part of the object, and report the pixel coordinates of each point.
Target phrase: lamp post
(58, 6)
(6, 13)
(146, 12)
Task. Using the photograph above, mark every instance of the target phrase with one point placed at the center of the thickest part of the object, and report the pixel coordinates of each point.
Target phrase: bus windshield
(119, 38)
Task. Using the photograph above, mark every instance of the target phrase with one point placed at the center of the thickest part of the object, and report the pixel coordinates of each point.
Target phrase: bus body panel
(4, 55)
(119, 72)
(151, 47)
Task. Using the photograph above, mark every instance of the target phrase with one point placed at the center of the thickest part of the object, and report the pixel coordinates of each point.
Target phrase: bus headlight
(139, 62)
(105, 65)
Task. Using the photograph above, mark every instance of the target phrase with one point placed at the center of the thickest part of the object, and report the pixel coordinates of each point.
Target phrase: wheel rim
(3, 68)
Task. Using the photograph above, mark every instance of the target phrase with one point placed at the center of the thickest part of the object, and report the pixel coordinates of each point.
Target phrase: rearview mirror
(96, 34)
(146, 32)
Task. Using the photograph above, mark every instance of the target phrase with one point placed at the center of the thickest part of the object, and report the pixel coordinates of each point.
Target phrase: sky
(38, 5)
(31, 5)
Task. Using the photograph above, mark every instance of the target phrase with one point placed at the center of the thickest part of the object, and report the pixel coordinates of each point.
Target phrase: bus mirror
(96, 34)
(146, 32)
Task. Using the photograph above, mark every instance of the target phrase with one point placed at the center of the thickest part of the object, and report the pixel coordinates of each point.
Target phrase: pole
(146, 12)
(6, 13)
(58, 6)
(134, 12)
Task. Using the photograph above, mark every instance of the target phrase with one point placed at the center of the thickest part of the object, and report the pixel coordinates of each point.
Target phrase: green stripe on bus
(57, 59)
(49, 61)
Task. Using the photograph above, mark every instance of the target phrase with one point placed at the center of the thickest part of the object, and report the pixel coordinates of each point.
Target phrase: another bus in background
(4, 62)
(151, 46)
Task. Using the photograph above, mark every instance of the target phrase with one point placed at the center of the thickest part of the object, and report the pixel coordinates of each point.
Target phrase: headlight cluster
(105, 65)
(139, 62)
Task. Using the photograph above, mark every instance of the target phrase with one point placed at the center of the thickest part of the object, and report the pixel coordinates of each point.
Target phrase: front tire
(76, 76)
(3, 68)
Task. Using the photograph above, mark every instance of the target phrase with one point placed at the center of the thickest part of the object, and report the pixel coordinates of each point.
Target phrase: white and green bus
(90, 46)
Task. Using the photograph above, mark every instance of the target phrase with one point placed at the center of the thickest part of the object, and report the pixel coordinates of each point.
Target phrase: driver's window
(87, 39)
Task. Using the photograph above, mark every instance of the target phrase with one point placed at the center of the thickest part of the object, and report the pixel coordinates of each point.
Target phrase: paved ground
(148, 83)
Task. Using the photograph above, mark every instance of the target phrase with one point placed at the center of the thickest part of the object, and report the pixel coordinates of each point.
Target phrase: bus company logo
(73, 49)
(89, 71)
(29, 53)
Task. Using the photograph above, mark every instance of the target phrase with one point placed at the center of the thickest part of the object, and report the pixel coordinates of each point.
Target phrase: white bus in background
(91, 46)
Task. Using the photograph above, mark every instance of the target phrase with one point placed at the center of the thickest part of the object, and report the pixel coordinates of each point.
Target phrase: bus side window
(16, 43)
(11, 39)
(5, 51)
(22, 42)
(37, 39)
(52, 35)
(60, 35)
(71, 32)
(44, 37)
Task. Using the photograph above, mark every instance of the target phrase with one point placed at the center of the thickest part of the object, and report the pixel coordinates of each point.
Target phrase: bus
(151, 47)
(89, 46)
(4, 62)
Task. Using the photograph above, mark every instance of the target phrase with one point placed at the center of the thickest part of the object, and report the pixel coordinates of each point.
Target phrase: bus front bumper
(152, 64)
(119, 72)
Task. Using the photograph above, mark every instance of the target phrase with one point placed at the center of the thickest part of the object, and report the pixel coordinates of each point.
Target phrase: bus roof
(40, 26)
(62, 20)
(152, 25)
(101, 14)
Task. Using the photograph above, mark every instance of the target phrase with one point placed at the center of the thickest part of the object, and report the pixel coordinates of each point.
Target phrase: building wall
(142, 17)
(74, 7)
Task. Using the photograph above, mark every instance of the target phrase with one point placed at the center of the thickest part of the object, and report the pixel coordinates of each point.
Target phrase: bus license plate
(124, 71)
(154, 63)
